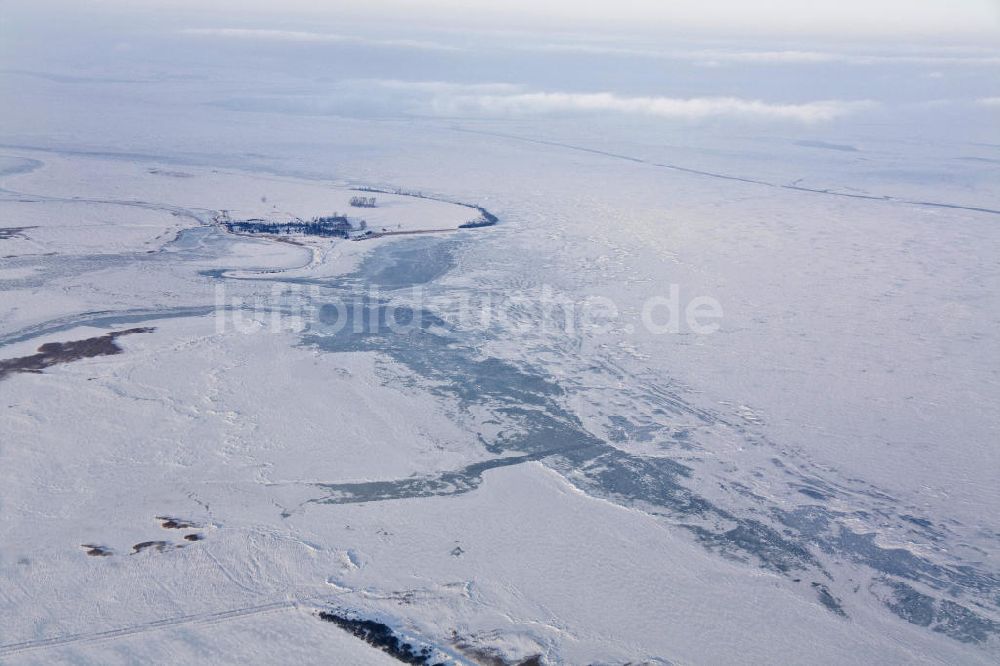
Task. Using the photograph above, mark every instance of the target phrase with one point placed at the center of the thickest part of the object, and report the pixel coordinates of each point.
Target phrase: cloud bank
(697, 108)
(446, 99)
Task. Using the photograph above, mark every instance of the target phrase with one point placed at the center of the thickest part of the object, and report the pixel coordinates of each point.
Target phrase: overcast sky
(834, 17)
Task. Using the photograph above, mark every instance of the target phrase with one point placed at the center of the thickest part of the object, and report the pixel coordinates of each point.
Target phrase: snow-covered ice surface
(817, 481)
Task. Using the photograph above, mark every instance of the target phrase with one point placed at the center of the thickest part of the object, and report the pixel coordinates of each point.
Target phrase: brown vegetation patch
(159, 546)
(96, 551)
(53, 353)
(168, 523)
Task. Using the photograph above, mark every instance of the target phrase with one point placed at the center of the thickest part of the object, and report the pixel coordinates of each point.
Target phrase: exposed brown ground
(53, 353)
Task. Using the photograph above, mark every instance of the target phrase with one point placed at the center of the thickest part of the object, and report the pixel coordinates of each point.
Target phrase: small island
(337, 225)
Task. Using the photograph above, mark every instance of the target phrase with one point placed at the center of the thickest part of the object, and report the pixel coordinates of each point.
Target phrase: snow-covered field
(817, 481)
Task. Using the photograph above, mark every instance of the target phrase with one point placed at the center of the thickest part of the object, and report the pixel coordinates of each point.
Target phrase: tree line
(330, 225)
